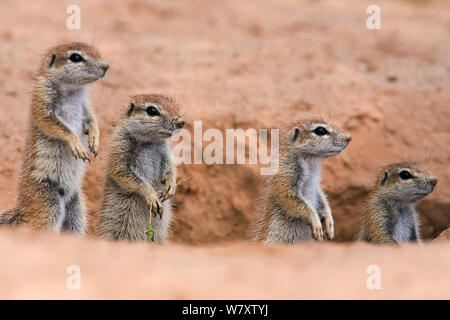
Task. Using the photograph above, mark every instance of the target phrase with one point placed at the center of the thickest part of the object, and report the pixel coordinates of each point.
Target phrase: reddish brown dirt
(444, 236)
(236, 64)
(38, 269)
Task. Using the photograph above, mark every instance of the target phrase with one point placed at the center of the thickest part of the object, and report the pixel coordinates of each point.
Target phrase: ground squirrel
(61, 125)
(140, 173)
(293, 205)
(389, 215)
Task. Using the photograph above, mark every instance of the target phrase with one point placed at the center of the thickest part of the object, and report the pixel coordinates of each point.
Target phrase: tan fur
(379, 221)
(280, 195)
(47, 131)
(137, 186)
(117, 169)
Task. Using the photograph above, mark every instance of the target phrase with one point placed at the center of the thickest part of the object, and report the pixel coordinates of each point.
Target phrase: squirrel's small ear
(385, 177)
(52, 60)
(293, 135)
(130, 109)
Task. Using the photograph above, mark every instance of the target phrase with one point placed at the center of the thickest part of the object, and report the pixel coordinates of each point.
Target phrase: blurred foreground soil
(242, 64)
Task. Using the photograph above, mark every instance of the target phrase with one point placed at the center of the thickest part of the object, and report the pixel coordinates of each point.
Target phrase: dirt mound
(40, 266)
(444, 236)
(235, 64)
(273, 63)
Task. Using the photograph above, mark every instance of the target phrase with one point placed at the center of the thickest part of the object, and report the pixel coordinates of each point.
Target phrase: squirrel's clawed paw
(78, 151)
(328, 226)
(93, 140)
(317, 231)
(156, 206)
(170, 186)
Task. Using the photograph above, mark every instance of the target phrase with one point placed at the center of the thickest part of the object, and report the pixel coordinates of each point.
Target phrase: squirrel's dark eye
(76, 58)
(320, 131)
(405, 175)
(152, 111)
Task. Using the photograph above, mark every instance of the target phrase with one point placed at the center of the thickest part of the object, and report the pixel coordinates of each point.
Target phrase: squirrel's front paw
(77, 149)
(93, 140)
(316, 229)
(328, 225)
(170, 186)
(155, 206)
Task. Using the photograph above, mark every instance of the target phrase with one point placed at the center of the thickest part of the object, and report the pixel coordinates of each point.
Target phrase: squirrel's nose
(104, 67)
(180, 124)
(348, 138)
(433, 181)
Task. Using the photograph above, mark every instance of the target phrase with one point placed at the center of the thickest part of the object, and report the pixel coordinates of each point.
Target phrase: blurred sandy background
(242, 64)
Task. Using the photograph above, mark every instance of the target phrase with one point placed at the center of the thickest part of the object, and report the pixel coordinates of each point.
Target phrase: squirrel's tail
(10, 217)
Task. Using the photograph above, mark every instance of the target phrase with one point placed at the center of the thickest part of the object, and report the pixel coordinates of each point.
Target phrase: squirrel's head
(74, 64)
(316, 138)
(152, 117)
(405, 182)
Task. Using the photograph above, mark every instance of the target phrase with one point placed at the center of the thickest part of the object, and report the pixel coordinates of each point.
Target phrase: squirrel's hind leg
(75, 217)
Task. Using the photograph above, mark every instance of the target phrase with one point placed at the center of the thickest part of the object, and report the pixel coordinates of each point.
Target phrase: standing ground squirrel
(61, 125)
(140, 173)
(389, 215)
(294, 206)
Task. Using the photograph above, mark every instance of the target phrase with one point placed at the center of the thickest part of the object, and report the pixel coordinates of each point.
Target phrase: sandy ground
(228, 271)
(242, 64)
